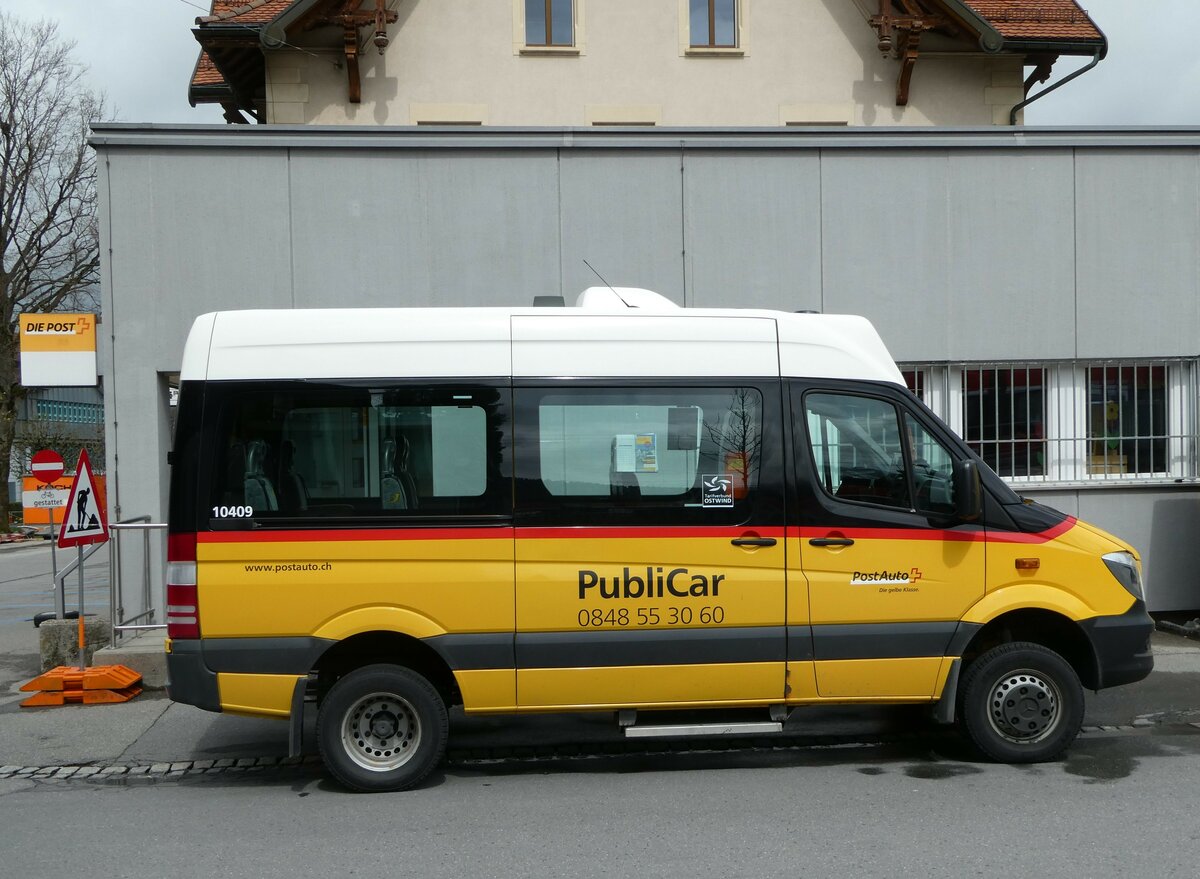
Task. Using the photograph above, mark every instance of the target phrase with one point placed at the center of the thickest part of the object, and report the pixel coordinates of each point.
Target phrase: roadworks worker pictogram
(85, 520)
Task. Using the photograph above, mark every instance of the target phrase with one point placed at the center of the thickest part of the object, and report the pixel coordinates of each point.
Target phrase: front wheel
(1021, 703)
(382, 728)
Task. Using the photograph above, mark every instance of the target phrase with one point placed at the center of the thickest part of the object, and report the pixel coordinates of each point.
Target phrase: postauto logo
(885, 578)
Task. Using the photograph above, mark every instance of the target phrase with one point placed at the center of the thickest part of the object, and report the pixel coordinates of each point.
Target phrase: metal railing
(120, 624)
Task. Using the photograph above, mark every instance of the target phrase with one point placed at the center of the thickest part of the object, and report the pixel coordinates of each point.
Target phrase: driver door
(889, 573)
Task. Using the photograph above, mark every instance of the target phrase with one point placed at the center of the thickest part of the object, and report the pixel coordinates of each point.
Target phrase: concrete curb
(13, 545)
(1187, 630)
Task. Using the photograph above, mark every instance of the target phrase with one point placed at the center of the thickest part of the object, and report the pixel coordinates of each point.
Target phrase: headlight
(1127, 571)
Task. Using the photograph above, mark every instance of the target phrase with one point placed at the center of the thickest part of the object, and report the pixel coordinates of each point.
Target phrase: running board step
(702, 729)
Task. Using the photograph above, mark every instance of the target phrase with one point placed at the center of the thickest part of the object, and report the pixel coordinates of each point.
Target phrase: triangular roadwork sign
(84, 519)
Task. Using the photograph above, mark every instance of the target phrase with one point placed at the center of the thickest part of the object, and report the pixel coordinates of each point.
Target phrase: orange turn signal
(1028, 564)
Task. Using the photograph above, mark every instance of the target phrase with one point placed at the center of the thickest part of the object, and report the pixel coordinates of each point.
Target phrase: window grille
(1070, 422)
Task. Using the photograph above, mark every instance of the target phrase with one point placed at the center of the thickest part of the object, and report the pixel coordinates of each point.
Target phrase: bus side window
(329, 451)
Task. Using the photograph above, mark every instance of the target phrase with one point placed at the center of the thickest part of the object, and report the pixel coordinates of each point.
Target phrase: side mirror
(968, 491)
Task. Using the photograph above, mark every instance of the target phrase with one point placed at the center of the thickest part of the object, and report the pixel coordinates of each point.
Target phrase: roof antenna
(608, 285)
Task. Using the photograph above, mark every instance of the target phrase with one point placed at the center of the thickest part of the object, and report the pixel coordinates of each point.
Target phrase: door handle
(831, 541)
(753, 541)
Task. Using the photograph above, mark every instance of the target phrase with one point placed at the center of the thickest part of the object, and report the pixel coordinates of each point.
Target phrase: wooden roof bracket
(351, 21)
(1043, 65)
(909, 50)
(900, 37)
(350, 47)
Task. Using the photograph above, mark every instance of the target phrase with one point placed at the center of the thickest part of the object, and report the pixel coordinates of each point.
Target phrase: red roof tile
(1037, 19)
(244, 11)
(206, 72)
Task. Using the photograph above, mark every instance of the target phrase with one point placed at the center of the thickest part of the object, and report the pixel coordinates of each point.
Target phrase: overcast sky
(141, 54)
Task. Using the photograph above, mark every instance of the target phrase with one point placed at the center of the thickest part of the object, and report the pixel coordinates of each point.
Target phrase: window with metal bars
(914, 379)
(712, 24)
(1127, 419)
(1070, 421)
(1004, 418)
(550, 22)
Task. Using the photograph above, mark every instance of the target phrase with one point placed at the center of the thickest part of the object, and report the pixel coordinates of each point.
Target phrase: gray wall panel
(623, 213)
(183, 242)
(1139, 264)
(753, 230)
(1011, 236)
(885, 247)
(1161, 524)
(384, 229)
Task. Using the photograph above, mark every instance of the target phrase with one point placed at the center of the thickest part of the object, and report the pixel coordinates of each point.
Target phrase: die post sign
(58, 350)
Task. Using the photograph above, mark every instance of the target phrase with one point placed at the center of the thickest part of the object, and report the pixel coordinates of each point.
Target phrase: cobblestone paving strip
(179, 769)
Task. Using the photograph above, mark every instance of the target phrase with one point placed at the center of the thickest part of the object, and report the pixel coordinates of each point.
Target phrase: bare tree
(39, 433)
(48, 236)
(738, 437)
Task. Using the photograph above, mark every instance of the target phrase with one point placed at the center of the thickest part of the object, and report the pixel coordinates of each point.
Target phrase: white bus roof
(618, 332)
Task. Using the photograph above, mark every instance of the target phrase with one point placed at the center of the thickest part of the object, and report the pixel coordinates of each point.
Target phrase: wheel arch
(388, 647)
(1048, 628)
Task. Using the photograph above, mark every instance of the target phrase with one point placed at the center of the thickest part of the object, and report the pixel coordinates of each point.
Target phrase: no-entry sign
(47, 466)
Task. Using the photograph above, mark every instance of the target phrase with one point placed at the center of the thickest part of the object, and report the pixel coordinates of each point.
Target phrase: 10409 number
(241, 512)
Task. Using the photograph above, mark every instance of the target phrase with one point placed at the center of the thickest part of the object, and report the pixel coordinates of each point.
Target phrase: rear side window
(295, 450)
(658, 455)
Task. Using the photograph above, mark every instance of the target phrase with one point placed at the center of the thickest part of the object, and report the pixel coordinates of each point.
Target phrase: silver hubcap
(381, 732)
(1024, 707)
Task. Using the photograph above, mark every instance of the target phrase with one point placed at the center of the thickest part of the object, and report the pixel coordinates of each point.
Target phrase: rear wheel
(1021, 703)
(382, 728)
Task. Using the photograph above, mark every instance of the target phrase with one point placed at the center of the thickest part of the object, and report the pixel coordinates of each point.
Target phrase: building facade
(633, 62)
(61, 418)
(1040, 288)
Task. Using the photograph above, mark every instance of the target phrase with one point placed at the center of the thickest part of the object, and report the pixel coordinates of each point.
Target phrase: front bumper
(1122, 646)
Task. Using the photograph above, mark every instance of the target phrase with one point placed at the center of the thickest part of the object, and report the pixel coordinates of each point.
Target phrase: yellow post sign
(58, 349)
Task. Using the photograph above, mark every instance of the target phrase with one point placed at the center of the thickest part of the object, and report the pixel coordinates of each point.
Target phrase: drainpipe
(1012, 116)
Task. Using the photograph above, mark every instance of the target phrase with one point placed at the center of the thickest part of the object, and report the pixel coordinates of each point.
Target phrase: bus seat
(391, 491)
(258, 492)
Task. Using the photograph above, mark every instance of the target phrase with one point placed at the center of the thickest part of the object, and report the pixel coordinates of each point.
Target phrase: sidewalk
(153, 732)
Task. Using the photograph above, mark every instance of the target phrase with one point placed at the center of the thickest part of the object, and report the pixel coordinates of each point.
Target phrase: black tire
(382, 728)
(1021, 703)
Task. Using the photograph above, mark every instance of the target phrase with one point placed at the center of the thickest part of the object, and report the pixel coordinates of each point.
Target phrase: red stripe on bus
(809, 533)
(990, 536)
(591, 532)
(1040, 537)
(625, 532)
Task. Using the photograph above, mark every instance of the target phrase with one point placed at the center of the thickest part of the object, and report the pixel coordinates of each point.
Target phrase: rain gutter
(1012, 116)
